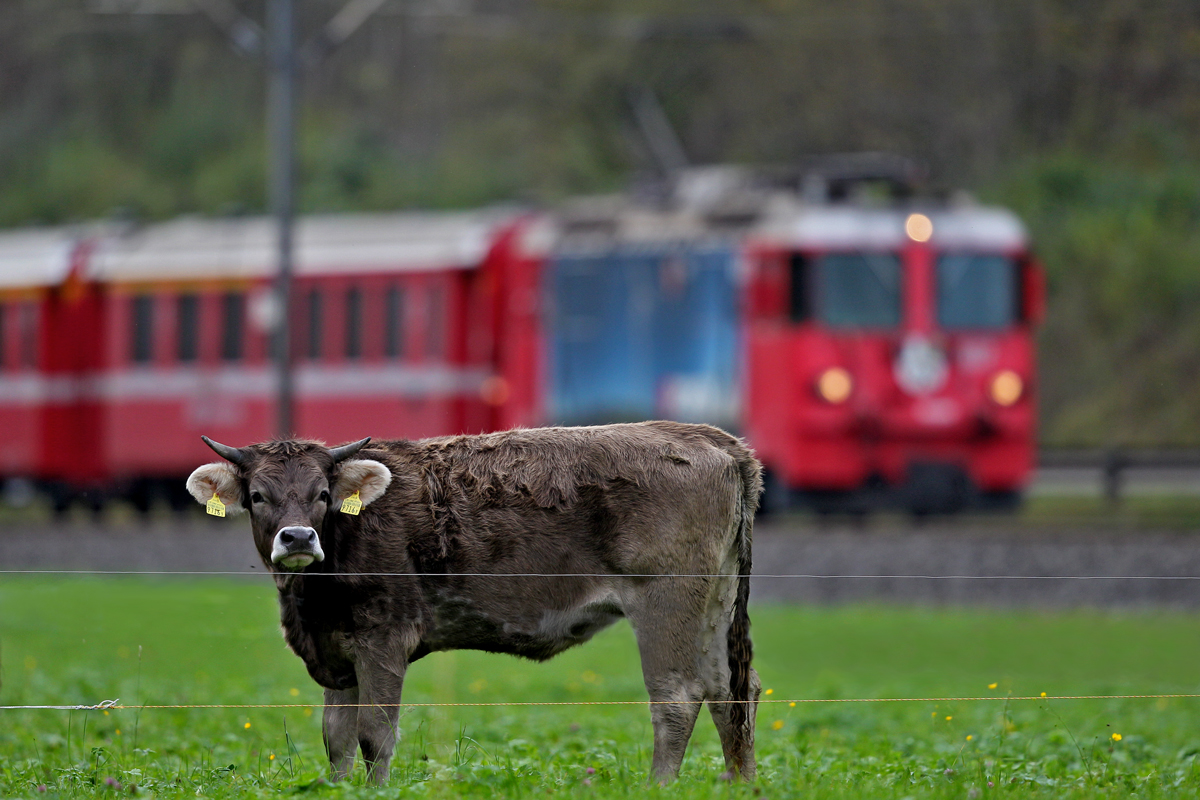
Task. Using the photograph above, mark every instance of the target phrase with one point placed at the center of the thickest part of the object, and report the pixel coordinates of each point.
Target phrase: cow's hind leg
(666, 624)
(734, 716)
(339, 729)
(675, 700)
(738, 745)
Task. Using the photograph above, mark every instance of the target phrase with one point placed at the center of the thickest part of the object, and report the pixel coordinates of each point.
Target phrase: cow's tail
(739, 646)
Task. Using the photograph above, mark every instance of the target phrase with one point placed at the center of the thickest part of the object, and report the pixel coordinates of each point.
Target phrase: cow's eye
(256, 497)
(324, 496)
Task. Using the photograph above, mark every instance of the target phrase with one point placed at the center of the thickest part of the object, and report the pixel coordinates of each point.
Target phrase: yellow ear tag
(352, 504)
(214, 506)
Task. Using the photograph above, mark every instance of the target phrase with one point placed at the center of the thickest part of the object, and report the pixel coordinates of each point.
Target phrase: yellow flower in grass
(970, 737)
(949, 718)
(777, 724)
(271, 757)
(792, 704)
(1116, 737)
(294, 692)
(247, 725)
(769, 691)
(992, 685)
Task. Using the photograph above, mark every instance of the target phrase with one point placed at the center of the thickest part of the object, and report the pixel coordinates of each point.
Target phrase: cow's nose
(300, 536)
(296, 546)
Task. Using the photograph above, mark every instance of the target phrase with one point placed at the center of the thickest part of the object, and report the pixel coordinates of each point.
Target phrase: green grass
(1174, 512)
(217, 641)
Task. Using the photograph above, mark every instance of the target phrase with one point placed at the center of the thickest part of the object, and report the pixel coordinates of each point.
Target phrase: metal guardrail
(1114, 464)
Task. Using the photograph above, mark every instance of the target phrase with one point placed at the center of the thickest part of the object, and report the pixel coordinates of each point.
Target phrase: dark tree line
(1081, 114)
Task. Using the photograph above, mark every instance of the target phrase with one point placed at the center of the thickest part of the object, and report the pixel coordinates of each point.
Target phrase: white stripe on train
(358, 382)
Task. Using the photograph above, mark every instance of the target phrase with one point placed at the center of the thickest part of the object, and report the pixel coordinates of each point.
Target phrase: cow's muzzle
(296, 547)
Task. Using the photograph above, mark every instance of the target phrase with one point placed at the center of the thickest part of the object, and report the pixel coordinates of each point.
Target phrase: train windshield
(976, 291)
(858, 290)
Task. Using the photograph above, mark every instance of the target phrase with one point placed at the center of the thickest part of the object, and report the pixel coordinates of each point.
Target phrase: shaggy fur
(579, 513)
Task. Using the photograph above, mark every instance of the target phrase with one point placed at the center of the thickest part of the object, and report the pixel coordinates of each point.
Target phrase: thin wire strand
(117, 705)
(611, 575)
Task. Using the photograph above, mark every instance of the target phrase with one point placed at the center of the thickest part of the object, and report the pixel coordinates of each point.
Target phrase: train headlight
(835, 385)
(918, 227)
(1007, 388)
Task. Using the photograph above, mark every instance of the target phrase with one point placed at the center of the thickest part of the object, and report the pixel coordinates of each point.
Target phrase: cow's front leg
(339, 729)
(379, 686)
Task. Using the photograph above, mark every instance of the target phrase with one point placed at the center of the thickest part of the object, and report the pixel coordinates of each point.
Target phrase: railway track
(999, 562)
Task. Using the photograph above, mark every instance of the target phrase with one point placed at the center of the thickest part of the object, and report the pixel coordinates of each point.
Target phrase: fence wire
(824, 576)
(116, 705)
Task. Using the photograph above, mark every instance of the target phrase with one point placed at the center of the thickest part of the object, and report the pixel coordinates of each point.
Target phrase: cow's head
(288, 487)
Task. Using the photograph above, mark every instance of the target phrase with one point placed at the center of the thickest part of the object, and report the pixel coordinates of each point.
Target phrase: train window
(858, 290)
(28, 325)
(393, 322)
(353, 322)
(800, 305)
(233, 327)
(187, 318)
(976, 291)
(141, 341)
(435, 339)
(314, 324)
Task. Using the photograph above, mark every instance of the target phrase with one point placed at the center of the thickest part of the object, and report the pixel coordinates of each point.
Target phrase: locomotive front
(891, 356)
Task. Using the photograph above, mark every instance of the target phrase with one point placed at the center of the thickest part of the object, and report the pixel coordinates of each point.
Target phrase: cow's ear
(368, 478)
(220, 479)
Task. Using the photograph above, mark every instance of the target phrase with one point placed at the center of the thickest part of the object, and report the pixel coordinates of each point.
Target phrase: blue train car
(643, 330)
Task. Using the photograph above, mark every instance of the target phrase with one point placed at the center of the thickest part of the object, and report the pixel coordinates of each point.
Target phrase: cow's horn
(233, 454)
(347, 450)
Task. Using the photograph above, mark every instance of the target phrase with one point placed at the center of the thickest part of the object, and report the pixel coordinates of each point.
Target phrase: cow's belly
(464, 623)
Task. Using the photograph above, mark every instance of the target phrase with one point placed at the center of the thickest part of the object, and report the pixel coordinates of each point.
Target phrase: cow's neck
(312, 628)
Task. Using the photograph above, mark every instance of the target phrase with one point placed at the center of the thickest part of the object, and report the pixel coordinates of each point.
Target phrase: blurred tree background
(1082, 115)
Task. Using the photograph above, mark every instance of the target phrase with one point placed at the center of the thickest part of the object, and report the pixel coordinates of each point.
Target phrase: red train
(873, 354)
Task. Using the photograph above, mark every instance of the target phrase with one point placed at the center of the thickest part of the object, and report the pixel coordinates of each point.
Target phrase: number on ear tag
(352, 505)
(214, 506)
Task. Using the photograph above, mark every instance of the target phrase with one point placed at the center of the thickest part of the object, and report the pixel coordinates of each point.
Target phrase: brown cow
(524, 542)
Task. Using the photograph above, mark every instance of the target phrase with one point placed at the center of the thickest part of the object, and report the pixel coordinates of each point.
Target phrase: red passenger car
(890, 355)
(40, 275)
(405, 325)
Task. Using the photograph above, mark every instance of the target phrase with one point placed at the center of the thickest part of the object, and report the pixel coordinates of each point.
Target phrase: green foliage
(214, 641)
(1121, 346)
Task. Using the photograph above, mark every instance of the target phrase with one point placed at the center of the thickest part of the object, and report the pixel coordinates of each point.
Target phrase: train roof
(834, 227)
(36, 257)
(193, 248)
(794, 209)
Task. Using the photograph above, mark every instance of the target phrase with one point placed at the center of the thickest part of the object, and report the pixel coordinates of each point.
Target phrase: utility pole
(280, 39)
(281, 127)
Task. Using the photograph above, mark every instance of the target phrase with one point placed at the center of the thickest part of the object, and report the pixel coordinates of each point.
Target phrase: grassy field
(217, 641)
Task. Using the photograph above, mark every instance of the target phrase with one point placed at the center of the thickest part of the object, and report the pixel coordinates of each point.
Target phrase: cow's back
(646, 497)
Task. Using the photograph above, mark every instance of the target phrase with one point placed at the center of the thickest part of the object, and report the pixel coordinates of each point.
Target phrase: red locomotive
(891, 356)
(875, 352)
